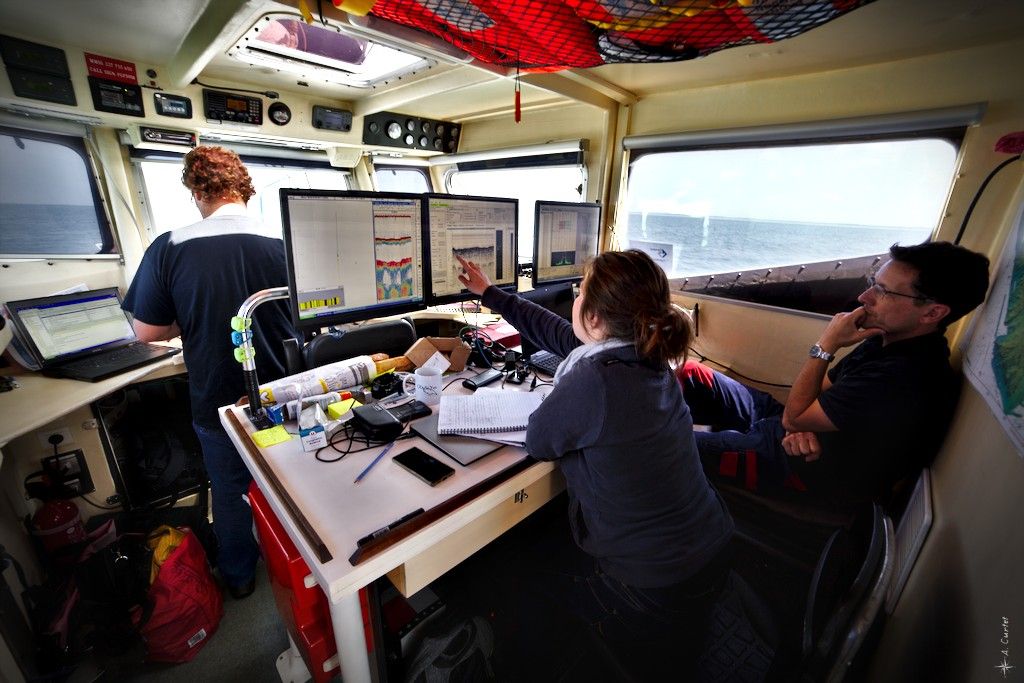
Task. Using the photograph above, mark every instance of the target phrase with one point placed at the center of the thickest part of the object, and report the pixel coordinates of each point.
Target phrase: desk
(342, 512)
(41, 400)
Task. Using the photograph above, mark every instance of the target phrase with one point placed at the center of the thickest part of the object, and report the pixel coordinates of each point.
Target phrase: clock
(394, 130)
(279, 113)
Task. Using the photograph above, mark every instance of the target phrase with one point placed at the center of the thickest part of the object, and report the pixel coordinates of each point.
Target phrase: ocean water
(723, 245)
(48, 229)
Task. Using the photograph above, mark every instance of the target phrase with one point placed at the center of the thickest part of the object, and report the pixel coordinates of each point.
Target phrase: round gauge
(410, 125)
(424, 141)
(409, 139)
(439, 129)
(279, 113)
(425, 127)
(394, 130)
(374, 127)
(455, 132)
(437, 143)
(451, 145)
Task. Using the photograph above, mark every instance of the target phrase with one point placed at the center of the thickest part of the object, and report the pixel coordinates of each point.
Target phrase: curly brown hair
(216, 173)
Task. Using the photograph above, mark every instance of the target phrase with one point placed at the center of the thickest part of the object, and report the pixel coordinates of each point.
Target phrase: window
(558, 183)
(49, 201)
(725, 210)
(170, 205)
(400, 179)
(751, 212)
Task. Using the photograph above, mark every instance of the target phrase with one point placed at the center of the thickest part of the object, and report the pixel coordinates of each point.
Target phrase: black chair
(848, 590)
(761, 631)
(393, 337)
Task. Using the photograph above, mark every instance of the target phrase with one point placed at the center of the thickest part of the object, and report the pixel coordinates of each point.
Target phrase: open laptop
(85, 335)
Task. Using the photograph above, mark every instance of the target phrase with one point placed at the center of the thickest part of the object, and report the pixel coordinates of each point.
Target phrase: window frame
(137, 155)
(421, 170)
(110, 246)
(771, 286)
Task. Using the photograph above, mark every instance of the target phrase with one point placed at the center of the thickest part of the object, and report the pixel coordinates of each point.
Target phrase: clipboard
(462, 449)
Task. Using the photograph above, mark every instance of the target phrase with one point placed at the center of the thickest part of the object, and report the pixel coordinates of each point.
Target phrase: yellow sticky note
(269, 437)
(335, 411)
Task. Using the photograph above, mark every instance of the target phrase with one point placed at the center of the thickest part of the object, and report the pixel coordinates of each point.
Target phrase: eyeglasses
(881, 292)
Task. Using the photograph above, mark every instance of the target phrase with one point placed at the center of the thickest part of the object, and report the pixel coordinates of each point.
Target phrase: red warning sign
(110, 68)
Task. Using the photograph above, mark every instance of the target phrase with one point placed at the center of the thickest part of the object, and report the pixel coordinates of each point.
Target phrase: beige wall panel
(949, 621)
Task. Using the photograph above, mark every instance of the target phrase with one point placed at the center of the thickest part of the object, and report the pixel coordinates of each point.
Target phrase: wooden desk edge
(52, 403)
(312, 537)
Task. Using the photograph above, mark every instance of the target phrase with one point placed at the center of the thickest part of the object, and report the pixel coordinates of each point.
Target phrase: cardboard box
(452, 348)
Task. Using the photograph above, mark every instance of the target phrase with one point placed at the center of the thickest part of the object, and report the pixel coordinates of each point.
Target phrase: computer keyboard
(92, 368)
(545, 362)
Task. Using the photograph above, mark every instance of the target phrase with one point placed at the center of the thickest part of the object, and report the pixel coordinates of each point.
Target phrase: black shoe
(243, 591)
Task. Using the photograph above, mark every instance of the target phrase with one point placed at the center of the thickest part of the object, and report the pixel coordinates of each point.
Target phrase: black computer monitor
(557, 298)
(352, 255)
(480, 229)
(565, 235)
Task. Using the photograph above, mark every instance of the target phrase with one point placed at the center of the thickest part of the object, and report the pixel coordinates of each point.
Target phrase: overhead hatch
(324, 52)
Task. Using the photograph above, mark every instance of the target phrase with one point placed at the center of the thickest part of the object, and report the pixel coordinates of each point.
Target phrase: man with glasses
(880, 414)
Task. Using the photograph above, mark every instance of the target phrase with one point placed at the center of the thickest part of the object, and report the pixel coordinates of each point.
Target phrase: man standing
(190, 283)
(852, 432)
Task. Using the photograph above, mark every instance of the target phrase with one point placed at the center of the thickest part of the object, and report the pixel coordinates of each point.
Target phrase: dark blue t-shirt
(198, 276)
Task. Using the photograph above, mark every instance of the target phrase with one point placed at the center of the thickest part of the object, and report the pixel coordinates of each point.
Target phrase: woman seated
(653, 530)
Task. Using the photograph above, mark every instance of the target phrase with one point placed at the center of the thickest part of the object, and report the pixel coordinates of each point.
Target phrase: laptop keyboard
(118, 359)
(546, 362)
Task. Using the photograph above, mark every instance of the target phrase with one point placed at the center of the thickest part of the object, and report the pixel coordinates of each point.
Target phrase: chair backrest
(393, 337)
(846, 595)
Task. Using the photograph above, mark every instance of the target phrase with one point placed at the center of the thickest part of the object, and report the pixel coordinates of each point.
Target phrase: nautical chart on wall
(994, 351)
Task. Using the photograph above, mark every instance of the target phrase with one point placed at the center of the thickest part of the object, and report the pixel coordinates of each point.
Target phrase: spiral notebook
(487, 411)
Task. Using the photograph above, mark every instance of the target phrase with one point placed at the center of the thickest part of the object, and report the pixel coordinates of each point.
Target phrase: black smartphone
(483, 379)
(423, 465)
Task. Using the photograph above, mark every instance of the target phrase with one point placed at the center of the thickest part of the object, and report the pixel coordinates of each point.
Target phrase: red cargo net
(547, 35)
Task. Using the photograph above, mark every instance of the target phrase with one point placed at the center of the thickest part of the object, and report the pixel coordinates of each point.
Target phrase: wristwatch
(818, 352)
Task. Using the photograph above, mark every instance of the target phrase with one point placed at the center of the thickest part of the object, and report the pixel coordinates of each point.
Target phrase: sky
(890, 183)
(42, 173)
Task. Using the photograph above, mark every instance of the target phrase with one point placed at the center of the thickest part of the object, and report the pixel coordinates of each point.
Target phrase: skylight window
(289, 44)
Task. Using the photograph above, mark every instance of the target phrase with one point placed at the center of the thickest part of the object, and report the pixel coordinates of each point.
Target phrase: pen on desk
(384, 529)
(374, 462)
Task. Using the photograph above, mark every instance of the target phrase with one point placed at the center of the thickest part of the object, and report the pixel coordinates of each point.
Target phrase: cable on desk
(348, 434)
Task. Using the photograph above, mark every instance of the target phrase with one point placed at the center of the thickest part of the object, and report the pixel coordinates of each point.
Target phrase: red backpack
(185, 602)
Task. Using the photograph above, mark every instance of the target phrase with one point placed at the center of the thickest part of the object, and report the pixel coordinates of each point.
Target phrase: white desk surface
(40, 400)
(342, 512)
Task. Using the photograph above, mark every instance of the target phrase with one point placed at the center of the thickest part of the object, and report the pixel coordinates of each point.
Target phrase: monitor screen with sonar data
(479, 229)
(352, 255)
(565, 236)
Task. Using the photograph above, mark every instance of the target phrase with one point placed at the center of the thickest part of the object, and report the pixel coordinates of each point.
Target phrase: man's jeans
(232, 518)
(744, 420)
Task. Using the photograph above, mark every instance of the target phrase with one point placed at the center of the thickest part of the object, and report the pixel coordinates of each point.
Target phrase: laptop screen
(69, 324)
